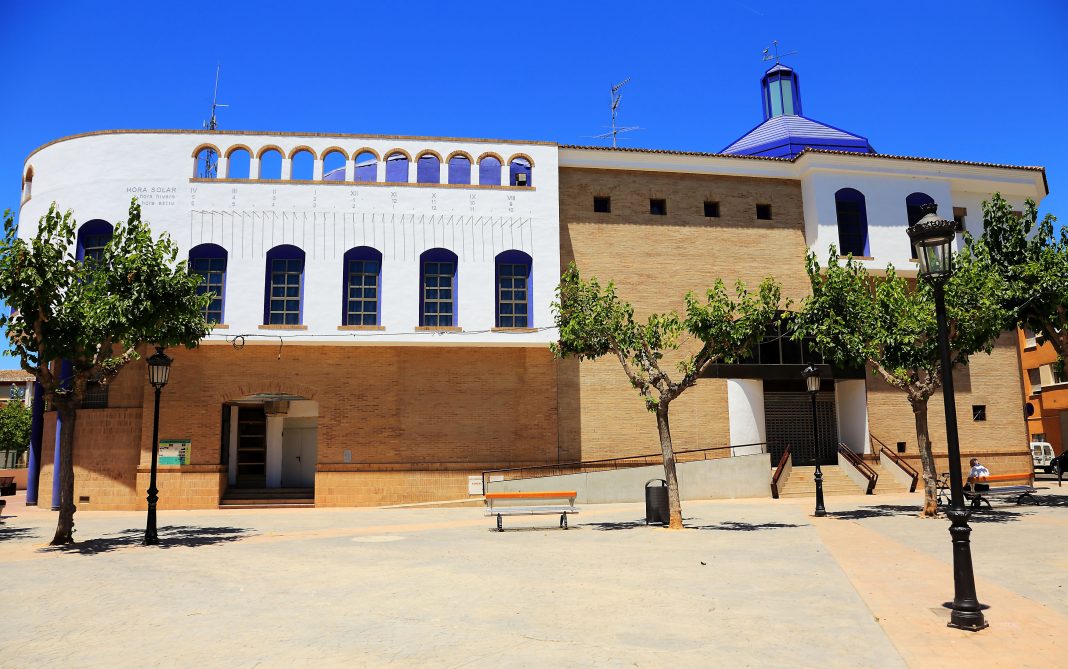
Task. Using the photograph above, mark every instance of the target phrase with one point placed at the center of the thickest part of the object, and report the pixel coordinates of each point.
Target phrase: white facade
(96, 175)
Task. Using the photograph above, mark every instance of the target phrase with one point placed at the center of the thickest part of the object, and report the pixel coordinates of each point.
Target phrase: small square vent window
(711, 209)
(602, 204)
(658, 207)
(900, 447)
(763, 212)
(978, 412)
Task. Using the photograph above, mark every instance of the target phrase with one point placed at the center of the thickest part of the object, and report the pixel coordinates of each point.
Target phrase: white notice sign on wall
(474, 485)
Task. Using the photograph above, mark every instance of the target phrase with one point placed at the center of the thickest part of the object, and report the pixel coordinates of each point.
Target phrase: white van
(1042, 455)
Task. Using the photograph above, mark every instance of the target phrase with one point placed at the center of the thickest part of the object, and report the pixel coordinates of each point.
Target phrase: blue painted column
(33, 473)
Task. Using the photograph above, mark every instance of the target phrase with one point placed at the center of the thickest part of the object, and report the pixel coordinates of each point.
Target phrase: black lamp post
(159, 372)
(933, 239)
(812, 382)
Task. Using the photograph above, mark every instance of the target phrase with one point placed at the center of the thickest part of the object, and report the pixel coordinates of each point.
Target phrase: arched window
(914, 210)
(363, 283)
(437, 279)
(209, 261)
(284, 286)
(520, 172)
(852, 222)
(301, 165)
(270, 165)
(428, 169)
(334, 166)
(366, 167)
(207, 163)
(93, 236)
(489, 171)
(238, 163)
(460, 169)
(27, 184)
(397, 167)
(513, 289)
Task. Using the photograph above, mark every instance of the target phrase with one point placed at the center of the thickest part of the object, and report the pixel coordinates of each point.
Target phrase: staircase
(888, 485)
(268, 498)
(835, 482)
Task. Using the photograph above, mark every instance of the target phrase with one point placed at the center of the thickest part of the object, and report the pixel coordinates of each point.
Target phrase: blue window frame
(459, 170)
(852, 222)
(489, 171)
(514, 270)
(437, 279)
(284, 290)
(428, 169)
(397, 168)
(93, 236)
(362, 304)
(209, 261)
(914, 210)
(520, 166)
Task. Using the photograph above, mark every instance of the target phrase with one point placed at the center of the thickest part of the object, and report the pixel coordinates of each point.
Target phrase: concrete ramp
(719, 478)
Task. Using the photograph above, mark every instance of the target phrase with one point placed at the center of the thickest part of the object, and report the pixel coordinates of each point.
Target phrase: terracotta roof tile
(9, 375)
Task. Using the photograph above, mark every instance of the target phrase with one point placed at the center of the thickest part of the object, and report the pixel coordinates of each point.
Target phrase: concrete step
(802, 482)
(887, 484)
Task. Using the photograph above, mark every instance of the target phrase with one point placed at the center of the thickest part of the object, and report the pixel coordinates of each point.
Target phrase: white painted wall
(96, 176)
(745, 413)
(851, 399)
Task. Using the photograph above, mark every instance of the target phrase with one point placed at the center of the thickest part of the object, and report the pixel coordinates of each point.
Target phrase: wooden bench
(539, 510)
(979, 497)
(7, 485)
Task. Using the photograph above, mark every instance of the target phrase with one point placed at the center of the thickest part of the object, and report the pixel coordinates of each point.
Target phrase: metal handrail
(861, 466)
(783, 461)
(899, 461)
(539, 471)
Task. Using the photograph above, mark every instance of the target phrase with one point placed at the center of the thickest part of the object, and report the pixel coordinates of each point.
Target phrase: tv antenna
(210, 168)
(616, 131)
(772, 53)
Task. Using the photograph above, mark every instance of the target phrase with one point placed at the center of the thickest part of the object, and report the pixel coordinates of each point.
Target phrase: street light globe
(933, 238)
(812, 378)
(159, 368)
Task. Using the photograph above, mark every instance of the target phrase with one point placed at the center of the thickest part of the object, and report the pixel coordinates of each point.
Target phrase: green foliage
(94, 314)
(15, 419)
(594, 322)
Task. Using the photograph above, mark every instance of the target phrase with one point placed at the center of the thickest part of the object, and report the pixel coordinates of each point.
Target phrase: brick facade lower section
(383, 488)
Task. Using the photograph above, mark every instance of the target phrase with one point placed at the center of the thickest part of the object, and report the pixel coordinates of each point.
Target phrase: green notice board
(174, 452)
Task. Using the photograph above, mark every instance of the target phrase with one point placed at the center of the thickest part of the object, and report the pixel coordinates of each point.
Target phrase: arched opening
(514, 272)
(302, 165)
(914, 210)
(238, 164)
(270, 441)
(209, 261)
(852, 222)
(428, 169)
(207, 163)
(489, 171)
(437, 279)
(93, 236)
(520, 172)
(460, 169)
(366, 167)
(284, 286)
(363, 283)
(270, 165)
(27, 184)
(397, 167)
(334, 166)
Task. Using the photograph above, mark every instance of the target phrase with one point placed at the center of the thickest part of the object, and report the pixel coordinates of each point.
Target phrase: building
(384, 308)
(1045, 390)
(16, 384)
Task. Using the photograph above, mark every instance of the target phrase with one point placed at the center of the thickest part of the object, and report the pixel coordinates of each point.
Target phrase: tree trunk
(930, 474)
(65, 527)
(674, 502)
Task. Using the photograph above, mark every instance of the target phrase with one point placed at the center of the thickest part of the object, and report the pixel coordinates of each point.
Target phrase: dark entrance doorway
(251, 447)
(788, 421)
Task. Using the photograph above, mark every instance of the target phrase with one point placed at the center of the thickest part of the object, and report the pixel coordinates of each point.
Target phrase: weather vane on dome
(768, 55)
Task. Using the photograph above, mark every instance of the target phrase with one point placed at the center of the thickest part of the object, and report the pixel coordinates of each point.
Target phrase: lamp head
(159, 368)
(933, 238)
(811, 375)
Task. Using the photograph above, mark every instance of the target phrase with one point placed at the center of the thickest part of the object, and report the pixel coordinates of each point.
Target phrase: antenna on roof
(615, 131)
(210, 168)
(776, 56)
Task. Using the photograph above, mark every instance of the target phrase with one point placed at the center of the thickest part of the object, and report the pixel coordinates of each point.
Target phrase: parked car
(1059, 464)
(1042, 456)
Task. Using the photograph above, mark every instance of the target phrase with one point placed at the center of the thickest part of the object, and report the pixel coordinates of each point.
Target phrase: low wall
(721, 478)
(20, 475)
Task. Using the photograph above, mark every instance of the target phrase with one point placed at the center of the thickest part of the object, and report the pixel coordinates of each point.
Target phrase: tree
(887, 323)
(74, 322)
(1032, 262)
(594, 322)
(15, 419)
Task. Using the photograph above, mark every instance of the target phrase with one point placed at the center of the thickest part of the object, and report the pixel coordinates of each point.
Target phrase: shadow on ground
(8, 533)
(725, 526)
(996, 515)
(169, 537)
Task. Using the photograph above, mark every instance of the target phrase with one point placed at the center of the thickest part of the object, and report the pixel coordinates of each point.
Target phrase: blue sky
(964, 80)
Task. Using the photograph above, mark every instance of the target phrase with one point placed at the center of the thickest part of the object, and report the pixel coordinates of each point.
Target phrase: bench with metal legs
(553, 509)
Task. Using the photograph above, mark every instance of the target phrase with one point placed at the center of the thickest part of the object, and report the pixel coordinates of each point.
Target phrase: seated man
(977, 473)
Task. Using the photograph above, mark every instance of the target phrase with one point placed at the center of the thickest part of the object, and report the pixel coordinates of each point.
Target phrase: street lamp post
(159, 371)
(812, 382)
(933, 239)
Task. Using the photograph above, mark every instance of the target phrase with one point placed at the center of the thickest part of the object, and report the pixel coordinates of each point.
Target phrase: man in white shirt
(977, 473)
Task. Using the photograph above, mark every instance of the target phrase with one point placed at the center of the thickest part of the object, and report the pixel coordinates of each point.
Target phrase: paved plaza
(752, 583)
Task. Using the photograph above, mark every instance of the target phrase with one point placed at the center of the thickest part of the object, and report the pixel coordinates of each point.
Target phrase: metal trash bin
(656, 502)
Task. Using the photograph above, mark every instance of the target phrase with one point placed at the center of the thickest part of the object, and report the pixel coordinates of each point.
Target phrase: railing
(862, 467)
(587, 466)
(781, 471)
(899, 461)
